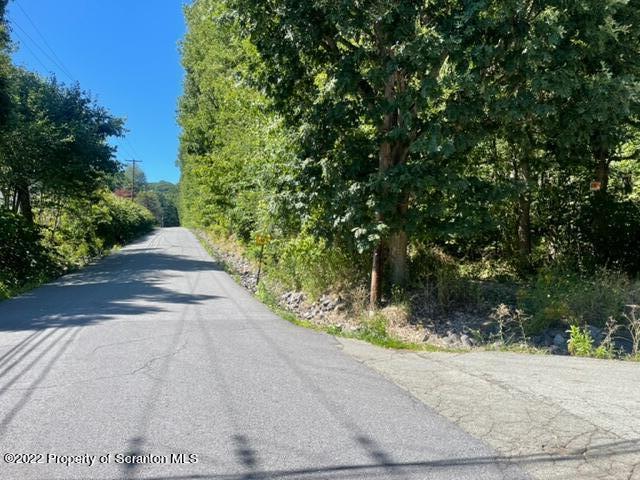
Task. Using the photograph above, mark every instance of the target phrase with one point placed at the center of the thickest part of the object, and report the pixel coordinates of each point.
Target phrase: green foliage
(132, 178)
(83, 229)
(612, 230)
(308, 264)
(603, 352)
(23, 257)
(580, 341)
(151, 201)
(441, 276)
(5, 64)
(167, 194)
(55, 161)
(231, 145)
(559, 297)
(124, 220)
(473, 128)
(55, 143)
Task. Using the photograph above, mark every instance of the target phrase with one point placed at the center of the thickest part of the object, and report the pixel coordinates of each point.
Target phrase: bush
(580, 341)
(308, 264)
(88, 228)
(126, 221)
(612, 229)
(566, 298)
(443, 279)
(23, 258)
(30, 254)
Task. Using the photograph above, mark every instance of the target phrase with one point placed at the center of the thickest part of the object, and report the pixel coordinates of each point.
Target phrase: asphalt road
(155, 351)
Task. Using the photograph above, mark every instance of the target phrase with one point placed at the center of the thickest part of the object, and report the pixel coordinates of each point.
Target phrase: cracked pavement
(555, 417)
(156, 351)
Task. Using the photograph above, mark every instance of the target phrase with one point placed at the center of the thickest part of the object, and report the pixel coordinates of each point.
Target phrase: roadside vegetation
(57, 211)
(473, 165)
(160, 198)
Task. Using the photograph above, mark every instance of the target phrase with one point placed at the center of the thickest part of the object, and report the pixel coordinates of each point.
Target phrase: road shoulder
(554, 417)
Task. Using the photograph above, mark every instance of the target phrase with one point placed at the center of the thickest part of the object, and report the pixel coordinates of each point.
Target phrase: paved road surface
(557, 418)
(155, 351)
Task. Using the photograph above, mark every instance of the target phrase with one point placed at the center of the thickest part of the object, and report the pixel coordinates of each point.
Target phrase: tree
(379, 128)
(151, 201)
(168, 196)
(55, 143)
(379, 91)
(231, 146)
(132, 180)
(5, 64)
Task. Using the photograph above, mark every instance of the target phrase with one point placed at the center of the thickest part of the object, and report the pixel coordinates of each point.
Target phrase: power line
(43, 50)
(126, 147)
(126, 139)
(55, 59)
(33, 54)
(44, 40)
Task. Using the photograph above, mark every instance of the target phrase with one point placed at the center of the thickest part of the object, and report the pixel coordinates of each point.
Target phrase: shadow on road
(384, 469)
(131, 283)
(64, 340)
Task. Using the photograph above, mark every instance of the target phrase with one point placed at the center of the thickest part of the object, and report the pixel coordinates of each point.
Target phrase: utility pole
(133, 176)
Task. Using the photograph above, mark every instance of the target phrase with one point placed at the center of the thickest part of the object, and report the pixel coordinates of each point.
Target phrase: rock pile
(458, 329)
(326, 305)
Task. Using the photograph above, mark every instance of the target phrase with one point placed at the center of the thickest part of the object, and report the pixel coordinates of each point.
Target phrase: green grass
(373, 331)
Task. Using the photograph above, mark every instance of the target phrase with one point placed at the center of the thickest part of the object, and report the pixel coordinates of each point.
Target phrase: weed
(607, 349)
(632, 316)
(511, 324)
(334, 329)
(560, 298)
(580, 341)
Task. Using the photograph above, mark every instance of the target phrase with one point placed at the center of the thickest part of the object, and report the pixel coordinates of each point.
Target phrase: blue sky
(125, 52)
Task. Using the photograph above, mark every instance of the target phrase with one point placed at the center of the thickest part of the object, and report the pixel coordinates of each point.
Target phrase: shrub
(23, 257)
(443, 278)
(612, 228)
(125, 221)
(580, 341)
(29, 254)
(306, 263)
(562, 298)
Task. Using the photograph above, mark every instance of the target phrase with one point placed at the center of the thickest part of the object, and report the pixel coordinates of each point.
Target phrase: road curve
(156, 354)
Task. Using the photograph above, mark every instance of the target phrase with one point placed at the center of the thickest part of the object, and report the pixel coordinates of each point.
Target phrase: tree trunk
(24, 202)
(384, 162)
(524, 218)
(398, 258)
(375, 291)
(391, 154)
(524, 227)
(602, 172)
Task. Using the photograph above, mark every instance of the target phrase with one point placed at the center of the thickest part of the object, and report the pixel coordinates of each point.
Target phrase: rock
(559, 340)
(537, 340)
(452, 339)
(466, 340)
(596, 333)
(548, 339)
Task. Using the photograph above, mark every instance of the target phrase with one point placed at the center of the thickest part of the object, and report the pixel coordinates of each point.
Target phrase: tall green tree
(377, 88)
(55, 143)
(5, 64)
(132, 179)
(168, 196)
(230, 143)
